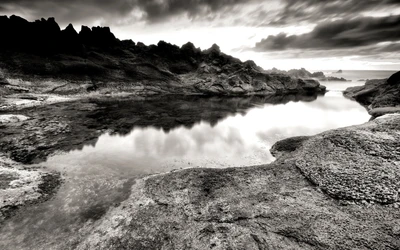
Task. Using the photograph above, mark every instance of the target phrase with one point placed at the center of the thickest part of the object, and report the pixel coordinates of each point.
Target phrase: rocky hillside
(379, 96)
(40, 57)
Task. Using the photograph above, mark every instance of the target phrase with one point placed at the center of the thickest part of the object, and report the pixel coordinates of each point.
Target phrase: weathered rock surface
(12, 118)
(380, 96)
(21, 185)
(93, 60)
(356, 163)
(272, 206)
(335, 190)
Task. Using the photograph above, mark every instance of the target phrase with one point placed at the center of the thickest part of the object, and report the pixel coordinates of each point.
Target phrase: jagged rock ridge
(65, 61)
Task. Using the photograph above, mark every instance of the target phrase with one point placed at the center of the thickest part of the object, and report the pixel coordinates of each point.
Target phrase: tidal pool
(156, 136)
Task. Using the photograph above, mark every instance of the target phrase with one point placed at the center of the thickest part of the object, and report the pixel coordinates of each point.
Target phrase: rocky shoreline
(379, 96)
(42, 68)
(21, 185)
(335, 190)
(296, 202)
(40, 128)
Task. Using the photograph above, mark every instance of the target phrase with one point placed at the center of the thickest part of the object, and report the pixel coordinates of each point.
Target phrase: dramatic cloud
(343, 33)
(322, 10)
(233, 12)
(148, 10)
(159, 10)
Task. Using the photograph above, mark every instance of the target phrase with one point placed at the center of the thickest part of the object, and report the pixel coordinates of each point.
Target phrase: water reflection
(239, 140)
(154, 136)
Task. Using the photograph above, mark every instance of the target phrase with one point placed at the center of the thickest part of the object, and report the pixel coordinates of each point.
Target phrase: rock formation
(379, 96)
(68, 62)
(303, 73)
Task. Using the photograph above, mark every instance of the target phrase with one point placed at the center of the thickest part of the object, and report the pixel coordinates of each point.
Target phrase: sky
(286, 34)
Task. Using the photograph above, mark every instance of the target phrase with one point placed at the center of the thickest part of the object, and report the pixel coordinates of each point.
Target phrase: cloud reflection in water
(239, 140)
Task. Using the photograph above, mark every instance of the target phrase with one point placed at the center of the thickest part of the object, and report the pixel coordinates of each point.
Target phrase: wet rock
(379, 96)
(287, 145)
(21, 186)
(4, 119)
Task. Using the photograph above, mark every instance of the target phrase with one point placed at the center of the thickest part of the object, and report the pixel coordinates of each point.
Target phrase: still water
(99, 176)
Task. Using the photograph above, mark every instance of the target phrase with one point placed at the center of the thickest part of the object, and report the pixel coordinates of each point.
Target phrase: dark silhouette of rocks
(394, 79)
(97, 36)
(45, 36)
(94, 60)
(70, 41)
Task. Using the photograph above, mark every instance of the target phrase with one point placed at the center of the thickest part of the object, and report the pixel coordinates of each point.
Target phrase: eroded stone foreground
(21, 185)
(351, 206)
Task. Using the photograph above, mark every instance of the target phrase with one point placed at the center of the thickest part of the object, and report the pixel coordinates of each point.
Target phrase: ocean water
(357, 75)
(99, 176)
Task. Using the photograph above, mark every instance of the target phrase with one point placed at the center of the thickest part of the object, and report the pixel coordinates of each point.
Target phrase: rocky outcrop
(380, 96)
(21, 186)
(305, 74)
(272, 206)
(93, 60)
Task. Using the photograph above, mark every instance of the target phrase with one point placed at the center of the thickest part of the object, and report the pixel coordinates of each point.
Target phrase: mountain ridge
(40, 57)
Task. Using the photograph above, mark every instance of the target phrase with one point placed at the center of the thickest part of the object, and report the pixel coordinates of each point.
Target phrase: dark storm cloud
(390, 51)
(82, 10)
(67, 10)
(343, 33)
(159, 10)
(316, 10)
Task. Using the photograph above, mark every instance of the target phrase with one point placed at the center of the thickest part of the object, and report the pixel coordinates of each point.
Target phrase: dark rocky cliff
(65, 61)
